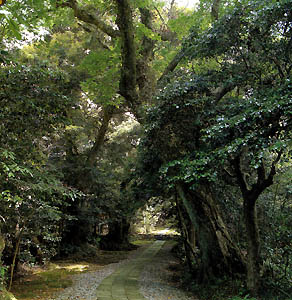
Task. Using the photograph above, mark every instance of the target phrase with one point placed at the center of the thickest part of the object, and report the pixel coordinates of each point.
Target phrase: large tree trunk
(218, 253)
(117, 237)
(188, 234)
(78, 231)
(253, 246)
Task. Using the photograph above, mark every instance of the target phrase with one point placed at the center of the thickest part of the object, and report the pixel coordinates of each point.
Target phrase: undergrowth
(232, 289)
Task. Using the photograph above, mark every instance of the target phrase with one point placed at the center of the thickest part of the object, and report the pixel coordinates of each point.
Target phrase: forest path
(123, 284)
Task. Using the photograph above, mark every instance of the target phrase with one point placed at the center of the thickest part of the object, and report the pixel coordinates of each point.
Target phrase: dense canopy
(113, 109)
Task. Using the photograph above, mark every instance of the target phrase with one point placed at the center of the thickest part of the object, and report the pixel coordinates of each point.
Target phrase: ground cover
(41, 283)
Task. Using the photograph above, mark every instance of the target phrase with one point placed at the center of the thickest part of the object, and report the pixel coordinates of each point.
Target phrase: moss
(142, 242)
(43, 284)
(4, 295)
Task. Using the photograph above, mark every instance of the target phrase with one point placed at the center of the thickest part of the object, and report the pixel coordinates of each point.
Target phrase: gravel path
(157, 281)
(154, 280)
(85, 284)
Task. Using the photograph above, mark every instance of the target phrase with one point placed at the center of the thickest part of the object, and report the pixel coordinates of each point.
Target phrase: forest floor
(43, 283)
(78, 278)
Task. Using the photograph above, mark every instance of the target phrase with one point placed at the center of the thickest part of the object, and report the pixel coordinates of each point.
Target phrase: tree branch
(279, 67)
(239, 175)
(83, 15)
(215, 10)
(170, 12)
(160, 16)
(221, 91)
(167, 34)
(172, 65)
(99, 139)
(128, 76)
(147, 43)
(179, 56)
(263, 181)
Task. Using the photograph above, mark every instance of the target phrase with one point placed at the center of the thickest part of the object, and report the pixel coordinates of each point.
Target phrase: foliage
(102, 86)
(3, 274)
(230, 96)
(237, 106)
(259, 116)
(34, 101)
(244, 298)
(27, 95)
(118, 198)
(275, 220)
(19, 17)
(31, 199)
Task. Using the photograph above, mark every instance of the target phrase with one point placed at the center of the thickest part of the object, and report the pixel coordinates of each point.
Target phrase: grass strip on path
(124, 283)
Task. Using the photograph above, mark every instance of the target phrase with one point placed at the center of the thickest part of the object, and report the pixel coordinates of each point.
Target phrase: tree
(67, 48)
(264, 109)
(19, 18)
(137, 24)
(135, 81)
(109, 55)
(238, 111)
(34, 101)
(166, 148)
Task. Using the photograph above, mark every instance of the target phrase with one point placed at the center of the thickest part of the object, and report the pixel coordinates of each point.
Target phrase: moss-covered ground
(40, 283)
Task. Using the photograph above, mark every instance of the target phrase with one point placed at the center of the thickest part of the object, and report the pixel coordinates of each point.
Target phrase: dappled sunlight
(165, 231)
(70, 267)
(75, 267)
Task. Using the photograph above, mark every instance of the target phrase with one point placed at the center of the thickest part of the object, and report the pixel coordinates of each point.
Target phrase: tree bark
(253, 246)
(172, 65)
(128, 80)
(250, 195)
(15, 258)
(188, 234)
(84, 15)
(215, 10)
(82, 229)
(218, 252)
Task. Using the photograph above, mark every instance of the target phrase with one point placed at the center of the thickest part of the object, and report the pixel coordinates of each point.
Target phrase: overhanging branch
(99, 139)
(172, 65)
(83, 15)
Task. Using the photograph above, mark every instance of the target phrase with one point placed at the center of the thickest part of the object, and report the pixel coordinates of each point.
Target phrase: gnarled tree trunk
(188, 234)
(218, 253)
